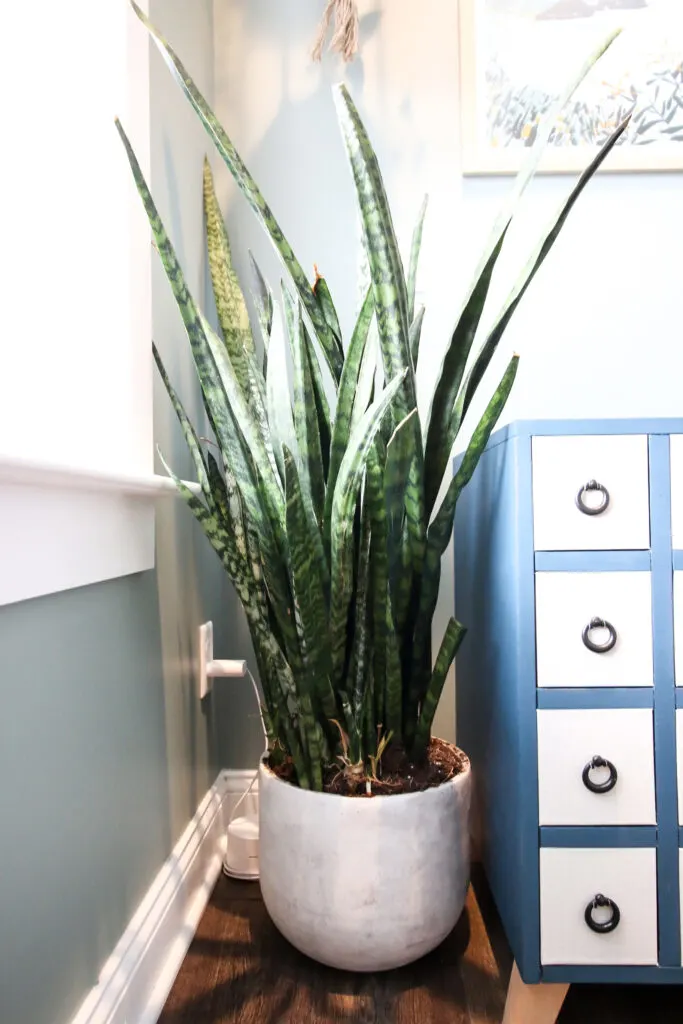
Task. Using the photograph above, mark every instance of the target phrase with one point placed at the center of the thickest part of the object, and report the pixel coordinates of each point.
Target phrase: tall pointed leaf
(440, 530)
(322, 407)
(230, 304)
(440, 436)
(453, 637)
(346, 493)
(278, 395)
(305, 412)
(327, 308)
(378, 571)
(545, 245)
(263, 297)
(416, 335)
(388, 280)
(345, 399)
(250, 190)
(415, 247)
(307, 567)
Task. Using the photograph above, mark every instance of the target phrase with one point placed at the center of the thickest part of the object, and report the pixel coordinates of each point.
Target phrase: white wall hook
(212, 668)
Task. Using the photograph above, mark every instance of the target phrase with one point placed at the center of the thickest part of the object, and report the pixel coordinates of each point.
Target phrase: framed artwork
(516, 57)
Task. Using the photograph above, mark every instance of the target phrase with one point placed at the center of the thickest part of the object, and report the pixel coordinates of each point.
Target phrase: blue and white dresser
(569, 576)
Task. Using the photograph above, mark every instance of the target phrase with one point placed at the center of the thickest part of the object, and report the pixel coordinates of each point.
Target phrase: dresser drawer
(567, 603)
(568, 741)
(562, 466)
(676, 455)
(570, 881)
(678, 627)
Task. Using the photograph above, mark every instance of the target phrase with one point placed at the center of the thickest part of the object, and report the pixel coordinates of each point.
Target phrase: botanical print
(518, 55)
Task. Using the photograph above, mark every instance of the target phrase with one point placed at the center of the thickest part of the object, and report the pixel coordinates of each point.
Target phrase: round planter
(364, 884)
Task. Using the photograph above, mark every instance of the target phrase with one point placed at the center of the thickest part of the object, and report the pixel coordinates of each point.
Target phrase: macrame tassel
(345, 36)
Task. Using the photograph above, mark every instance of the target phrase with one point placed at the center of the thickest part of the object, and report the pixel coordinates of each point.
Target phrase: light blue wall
(105, 750)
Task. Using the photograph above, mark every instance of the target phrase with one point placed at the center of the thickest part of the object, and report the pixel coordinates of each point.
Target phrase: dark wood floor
(239, 970)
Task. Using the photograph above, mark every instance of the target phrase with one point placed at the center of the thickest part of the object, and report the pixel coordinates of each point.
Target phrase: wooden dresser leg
(532, 1004)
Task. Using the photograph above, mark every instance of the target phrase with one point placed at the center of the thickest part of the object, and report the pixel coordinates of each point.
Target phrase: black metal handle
(602, 927)
(592, 510)
(600, 787)
(599, 624)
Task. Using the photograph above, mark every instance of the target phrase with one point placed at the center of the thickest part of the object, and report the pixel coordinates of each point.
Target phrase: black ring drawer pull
(602, 927)
(592, 510)
(599, 624)
(599, 787)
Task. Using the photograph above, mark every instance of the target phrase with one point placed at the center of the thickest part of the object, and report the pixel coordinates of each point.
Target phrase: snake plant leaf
(256, 438)
(439, 443)
(311, 583)
(416, 335)
(250, 190)
(263, 298)
(397, 466)
(366, 378)
(230, 304)
(342, 546)
(440, 530)
(305, 412)
(442, 422)
(488, 349)
(386, 268)
(362, 609)
(378, 570)
(221, 502)
(189, 433)
(278, 400)
(415, 248)
(393, 692)
(323, 295)
(345, 400)
(322, 407)
(453, 637)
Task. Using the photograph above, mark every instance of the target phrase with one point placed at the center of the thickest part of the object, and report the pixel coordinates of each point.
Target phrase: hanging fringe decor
(345, 36)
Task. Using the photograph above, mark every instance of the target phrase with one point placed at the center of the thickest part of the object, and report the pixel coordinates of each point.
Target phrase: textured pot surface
(364, 884)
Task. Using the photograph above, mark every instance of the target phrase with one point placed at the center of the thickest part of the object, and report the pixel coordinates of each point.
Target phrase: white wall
(599, 332)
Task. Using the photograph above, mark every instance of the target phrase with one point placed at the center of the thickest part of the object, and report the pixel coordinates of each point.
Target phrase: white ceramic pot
(364, 884)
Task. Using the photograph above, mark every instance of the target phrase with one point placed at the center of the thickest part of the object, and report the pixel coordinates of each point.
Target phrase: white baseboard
(135, 981)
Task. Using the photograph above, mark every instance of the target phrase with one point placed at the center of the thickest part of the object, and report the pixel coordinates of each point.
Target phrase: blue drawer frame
(497, 696)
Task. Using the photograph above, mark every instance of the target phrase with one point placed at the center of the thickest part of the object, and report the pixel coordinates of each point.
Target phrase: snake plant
(324, 512)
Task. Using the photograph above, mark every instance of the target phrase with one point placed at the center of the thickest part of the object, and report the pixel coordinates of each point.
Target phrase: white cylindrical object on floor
(364, 884)
(242, 851)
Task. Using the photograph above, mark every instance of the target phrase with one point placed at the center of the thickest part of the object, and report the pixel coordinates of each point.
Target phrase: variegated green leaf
(327, 308)
(305, 412)
(345, 399)
(416, 335)
(263, 298)
(251, 192)
(321, 404)
(343, 513)
(393, 692)
(362, 609)
(396, 470)
(489, 347)
(230, 304)
(388, 279)
(378, 570)
(453, 637)
(189, 433)
(440, 530)
(310, 581)
(278, 398)
(443, 422)
(415, 247)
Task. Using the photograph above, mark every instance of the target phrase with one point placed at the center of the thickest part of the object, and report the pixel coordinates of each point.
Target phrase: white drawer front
(569, 740)
(678, 626)
(676, 449)
(563, 465)
(566, 602)
(679, 763)
(570, 879)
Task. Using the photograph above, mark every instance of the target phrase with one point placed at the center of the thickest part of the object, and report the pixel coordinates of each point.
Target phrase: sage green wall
(105, 750)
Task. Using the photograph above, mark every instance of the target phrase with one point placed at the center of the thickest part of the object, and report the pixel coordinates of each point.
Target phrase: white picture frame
(516, 56)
